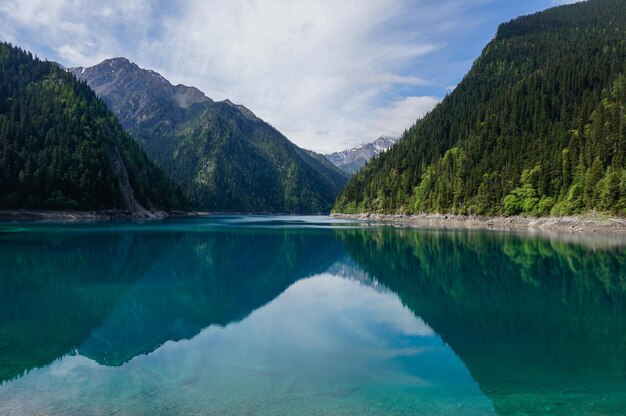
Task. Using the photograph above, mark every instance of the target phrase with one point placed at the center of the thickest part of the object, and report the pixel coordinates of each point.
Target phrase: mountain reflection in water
(286, 313)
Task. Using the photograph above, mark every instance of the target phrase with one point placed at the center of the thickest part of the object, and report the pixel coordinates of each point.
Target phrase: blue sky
(328, 74)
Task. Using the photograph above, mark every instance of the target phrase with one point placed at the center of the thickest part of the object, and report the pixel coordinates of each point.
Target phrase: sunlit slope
(537, 126)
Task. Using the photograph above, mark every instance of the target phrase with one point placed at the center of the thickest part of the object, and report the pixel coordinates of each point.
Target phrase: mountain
(61, 148)
(352, 160)
(536, 127)
(223, 156)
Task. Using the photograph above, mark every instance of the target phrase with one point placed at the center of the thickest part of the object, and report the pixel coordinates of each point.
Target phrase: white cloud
(303, 66)
(351, 69)
(392, 120)
(78, 32)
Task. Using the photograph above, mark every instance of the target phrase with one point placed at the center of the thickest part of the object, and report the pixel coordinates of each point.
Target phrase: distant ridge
(352, 160)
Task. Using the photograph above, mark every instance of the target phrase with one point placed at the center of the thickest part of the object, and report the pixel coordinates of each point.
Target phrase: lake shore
(34, 215)
(28, 215)
(572, 224)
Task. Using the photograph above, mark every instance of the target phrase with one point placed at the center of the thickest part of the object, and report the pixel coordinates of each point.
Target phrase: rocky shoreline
(32, 215)
(75, 216)
(572, 224)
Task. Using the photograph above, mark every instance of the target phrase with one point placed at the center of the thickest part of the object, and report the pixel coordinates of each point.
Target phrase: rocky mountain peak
(352, 160)
(139, 95)
(118, 61)
(243, 109)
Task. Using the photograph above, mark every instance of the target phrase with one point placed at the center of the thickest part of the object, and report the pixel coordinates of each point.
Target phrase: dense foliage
(60, 148)
(230, 161)
(538, 126)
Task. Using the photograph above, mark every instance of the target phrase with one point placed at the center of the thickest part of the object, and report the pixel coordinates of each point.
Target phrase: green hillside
(232, 161)
(60, 147)
(538, 126)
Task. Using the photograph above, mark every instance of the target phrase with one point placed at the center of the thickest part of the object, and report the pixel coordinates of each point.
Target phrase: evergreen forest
(61, 148)
(537, 127)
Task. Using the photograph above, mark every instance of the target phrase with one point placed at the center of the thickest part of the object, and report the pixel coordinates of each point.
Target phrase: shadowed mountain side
(206, 279)
(57, 288)
(539, 324)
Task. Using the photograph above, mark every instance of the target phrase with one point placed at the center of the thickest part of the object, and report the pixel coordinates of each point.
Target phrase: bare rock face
(136, 95)
(128, 196)
(352, 160)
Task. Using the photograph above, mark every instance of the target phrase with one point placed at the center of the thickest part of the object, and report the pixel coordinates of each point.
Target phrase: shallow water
(307, 315)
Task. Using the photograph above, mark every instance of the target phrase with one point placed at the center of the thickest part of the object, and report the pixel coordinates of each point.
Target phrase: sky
(328, 74)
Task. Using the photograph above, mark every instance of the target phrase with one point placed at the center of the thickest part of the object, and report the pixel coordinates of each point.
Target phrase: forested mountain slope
(61, 148)
(225, 157)
(537, 126)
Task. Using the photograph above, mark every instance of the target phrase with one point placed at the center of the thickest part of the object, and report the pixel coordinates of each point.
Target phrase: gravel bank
(77, 216)
(574, 224)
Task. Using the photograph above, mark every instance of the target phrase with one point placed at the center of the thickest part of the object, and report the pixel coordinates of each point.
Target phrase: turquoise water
(240, 315)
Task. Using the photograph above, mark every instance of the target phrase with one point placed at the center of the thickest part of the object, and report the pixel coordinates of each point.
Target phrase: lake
(236, 315)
